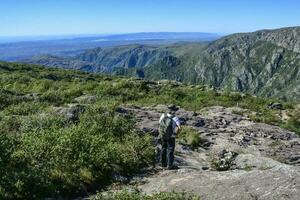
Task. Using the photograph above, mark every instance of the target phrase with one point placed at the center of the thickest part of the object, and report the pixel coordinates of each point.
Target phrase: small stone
(121, 110)
(194, 114)
(277, 106)
(119, 178)
(199, 123)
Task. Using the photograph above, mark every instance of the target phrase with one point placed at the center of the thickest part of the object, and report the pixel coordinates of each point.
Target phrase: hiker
(169, 126)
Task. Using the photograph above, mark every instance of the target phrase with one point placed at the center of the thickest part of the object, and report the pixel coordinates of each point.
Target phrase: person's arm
(178, 129)
(161, 117)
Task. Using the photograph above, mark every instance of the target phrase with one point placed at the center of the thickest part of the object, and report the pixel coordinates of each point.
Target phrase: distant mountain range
(19, 48)
(265, 63)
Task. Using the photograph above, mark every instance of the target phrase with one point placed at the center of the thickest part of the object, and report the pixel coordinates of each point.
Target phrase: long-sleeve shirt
(175, 124)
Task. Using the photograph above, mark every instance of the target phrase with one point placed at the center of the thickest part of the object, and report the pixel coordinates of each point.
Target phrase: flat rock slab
(266, 166)
(282, 182)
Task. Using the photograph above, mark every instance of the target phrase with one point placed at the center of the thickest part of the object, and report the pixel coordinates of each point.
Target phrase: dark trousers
(167, 151)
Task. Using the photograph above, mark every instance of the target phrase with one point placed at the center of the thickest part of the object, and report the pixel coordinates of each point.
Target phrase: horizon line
(107, 34)
(135, 32)
(138, 32)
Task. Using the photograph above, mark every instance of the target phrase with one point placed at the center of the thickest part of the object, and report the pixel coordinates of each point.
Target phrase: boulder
(71, 112)
(121, 110)
(86, 99)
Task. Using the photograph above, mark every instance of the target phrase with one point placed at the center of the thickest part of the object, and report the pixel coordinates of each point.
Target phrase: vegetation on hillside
(45, 152)
(136, 195)
(263, 63)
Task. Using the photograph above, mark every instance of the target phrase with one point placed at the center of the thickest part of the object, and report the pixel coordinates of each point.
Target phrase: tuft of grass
(248, 168)
(275, 143)
(190, 137)
(293, 123)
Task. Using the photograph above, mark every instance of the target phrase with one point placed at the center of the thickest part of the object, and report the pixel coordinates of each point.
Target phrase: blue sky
(60, 17)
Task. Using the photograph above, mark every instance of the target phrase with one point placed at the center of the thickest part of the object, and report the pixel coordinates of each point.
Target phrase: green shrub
(69, 161)
(190, 137)
(7, 98)
(10, 124)
(53, 97)
(136, 195)
(41, 122)
(293, 123)
(25, 108)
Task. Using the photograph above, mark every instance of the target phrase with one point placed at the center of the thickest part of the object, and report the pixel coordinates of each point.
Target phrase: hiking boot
(163, 165)
(172, 167)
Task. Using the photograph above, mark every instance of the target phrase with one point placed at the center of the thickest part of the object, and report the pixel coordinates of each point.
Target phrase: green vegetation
(136, 195)
(59, 158)
(257, 63)
(190, 137)
(45, 152)
(293, 123)
(248, 168)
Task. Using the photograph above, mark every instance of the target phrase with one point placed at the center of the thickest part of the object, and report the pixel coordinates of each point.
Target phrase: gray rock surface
(86, 99)
(264, 159)
(70, 112)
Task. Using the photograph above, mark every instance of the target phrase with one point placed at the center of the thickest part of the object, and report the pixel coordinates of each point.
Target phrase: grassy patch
(190, 137)
(248, 168)
(293, 123)
(136, 195)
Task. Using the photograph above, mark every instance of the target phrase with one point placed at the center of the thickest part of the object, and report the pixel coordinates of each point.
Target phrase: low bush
(70, 161)
(136, 195)
(25, 108)
(190, 137)
(293, 123)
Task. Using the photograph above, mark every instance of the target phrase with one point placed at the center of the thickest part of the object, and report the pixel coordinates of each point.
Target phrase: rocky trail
(237, 158)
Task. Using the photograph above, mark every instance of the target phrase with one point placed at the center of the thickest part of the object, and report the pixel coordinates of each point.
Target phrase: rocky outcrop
(279, 182)
(70, 112)
(265, 63)
(240, 160)
(86, 99)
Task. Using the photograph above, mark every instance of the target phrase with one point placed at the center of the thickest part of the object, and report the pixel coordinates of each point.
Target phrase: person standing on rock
(169, 126)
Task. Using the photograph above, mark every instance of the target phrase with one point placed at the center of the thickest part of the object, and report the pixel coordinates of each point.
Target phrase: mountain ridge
(264, 62)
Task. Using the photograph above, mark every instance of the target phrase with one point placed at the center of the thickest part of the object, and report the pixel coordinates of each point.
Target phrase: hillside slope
(264, 63)
(124, 56)
(66, 134)
(65, 62)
